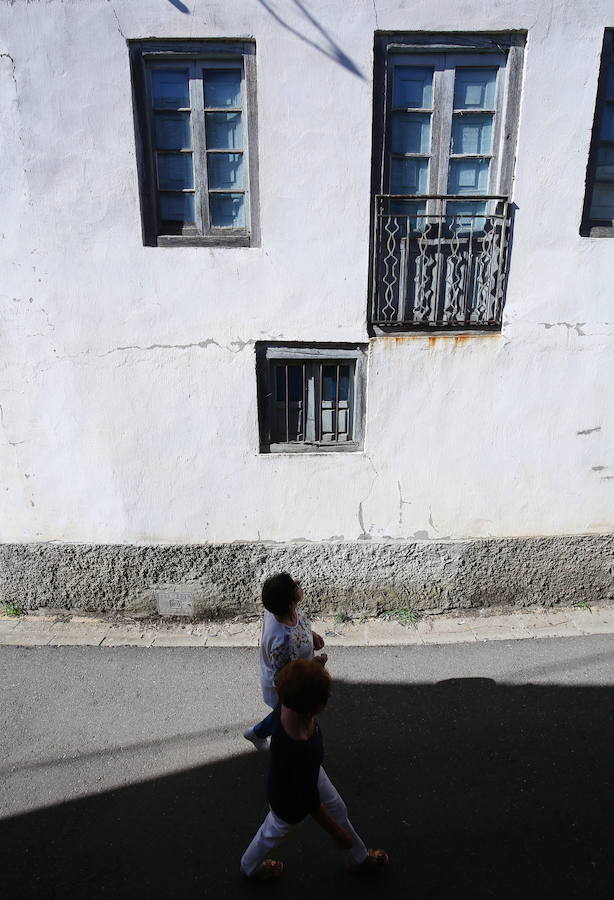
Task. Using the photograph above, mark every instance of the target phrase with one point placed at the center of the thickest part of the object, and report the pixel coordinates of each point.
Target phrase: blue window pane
(175, 171)
(413, 87)
(411, 133)
(172, 131)
(466, 216)
(610, 83)
(407, 208)
(177, 208)
(471, 134)
(409, 176)
(329, 382)
(468, 176)
(605, 163)
(474, 88)
(295, 383)
(607, 122)
(224, 131)
(222, 88)
(602, 205)
(225, 170)
(280, 383)
(170, 88)
(227, 210)
(294, 376)
(415, 210)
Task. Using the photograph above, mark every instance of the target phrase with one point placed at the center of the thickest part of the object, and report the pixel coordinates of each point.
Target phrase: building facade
(318, 286)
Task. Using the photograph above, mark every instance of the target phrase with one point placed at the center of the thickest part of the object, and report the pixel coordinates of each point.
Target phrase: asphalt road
(485, 770)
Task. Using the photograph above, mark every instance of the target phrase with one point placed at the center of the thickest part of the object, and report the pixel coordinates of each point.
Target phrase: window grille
(311, 397)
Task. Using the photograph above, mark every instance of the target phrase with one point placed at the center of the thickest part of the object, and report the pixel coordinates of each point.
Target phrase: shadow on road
(476, 789)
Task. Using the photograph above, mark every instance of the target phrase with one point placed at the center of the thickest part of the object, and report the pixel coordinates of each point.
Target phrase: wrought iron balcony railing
(439, 261)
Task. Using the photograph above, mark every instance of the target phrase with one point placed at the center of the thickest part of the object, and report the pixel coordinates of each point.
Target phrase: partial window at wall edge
(195, 117)
(311, 398)
(598, 212)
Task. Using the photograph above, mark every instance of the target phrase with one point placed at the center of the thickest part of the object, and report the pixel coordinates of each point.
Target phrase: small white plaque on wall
(174, 602)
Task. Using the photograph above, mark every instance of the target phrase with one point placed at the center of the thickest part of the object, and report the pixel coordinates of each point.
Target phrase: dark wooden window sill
(204, 240)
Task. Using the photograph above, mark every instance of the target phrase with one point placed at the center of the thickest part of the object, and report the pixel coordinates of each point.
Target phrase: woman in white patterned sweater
(286, 635)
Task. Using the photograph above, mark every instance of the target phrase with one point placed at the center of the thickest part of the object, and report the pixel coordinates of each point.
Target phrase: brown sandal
(375, 860)
(268, 870)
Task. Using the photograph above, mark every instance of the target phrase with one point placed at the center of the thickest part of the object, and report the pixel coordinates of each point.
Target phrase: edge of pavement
(71, 628)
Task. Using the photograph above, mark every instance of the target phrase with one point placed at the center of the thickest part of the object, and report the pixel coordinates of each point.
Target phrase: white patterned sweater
(279, 645)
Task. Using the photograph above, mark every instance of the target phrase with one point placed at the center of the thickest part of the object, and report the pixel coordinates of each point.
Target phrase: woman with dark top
(297, 784)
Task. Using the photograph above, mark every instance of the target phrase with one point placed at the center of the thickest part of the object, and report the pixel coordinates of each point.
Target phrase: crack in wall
(119, 27)
(375, 14)
(200, 344)
(402, 503)
(589, 430)
(365, 535)
(8, 56)
(233, 347)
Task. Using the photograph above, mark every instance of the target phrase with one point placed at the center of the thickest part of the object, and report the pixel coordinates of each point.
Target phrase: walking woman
(297, 784)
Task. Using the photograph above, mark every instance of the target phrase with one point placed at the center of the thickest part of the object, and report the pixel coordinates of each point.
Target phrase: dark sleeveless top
(292, 785)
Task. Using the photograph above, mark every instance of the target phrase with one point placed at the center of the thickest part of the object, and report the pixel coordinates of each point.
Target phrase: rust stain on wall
(455, 340)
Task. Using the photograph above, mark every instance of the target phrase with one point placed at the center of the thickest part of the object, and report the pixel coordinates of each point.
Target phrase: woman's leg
(264, 729)
(271, 832)
(338, 810)
(259, 734)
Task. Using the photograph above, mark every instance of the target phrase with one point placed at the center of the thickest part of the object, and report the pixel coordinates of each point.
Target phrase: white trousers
(273, 830)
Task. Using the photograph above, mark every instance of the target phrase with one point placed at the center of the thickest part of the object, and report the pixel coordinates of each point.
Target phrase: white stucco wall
(127, 379)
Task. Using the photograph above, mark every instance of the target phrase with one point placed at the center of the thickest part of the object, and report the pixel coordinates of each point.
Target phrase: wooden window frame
(268, 354)
(149, 54)
(593, 227)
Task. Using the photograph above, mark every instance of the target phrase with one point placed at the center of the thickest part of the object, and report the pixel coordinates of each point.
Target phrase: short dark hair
(304, 686)
(279, 593)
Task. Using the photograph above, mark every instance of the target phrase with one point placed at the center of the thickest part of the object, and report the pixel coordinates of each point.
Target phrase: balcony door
(443, 117)
(445, 121)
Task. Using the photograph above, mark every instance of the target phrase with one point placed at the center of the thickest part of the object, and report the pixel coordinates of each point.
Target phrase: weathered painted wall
(127, 385)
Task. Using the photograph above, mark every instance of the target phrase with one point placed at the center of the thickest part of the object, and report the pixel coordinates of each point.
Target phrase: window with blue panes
(183, 101)
(195, 119)
(443, 132)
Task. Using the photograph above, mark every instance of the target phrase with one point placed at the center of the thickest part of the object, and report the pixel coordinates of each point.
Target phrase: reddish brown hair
(304, 686)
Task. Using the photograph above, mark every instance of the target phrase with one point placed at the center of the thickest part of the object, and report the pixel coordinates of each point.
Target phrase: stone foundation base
(222, 580)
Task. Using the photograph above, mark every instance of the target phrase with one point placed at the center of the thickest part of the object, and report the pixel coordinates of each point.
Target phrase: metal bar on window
(304, 405)
(468, 278)
(337, 405)
(318, 411)
(287, 404)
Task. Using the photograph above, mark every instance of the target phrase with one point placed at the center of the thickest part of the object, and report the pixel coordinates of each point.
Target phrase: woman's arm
(318, 641)
(341, 837)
